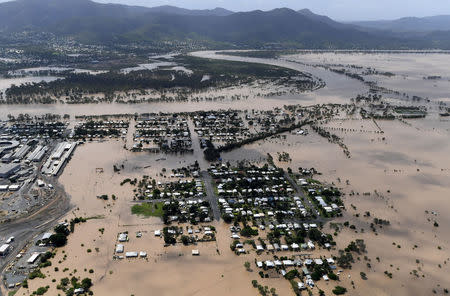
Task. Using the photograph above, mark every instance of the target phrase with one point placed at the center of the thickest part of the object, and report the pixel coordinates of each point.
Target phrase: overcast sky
(337, 9)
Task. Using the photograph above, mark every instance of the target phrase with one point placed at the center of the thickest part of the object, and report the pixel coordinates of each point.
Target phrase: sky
(343, 10)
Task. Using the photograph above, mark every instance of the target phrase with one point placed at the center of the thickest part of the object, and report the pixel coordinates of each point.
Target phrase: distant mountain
(322, 18)
(410, 24)
(167, 9)
(20, 14)
(92, 22)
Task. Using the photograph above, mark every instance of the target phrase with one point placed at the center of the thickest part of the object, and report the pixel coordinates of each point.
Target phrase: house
(158, 232)
(301, 286)
(119, 248)
(318, 261)
(325, 277)
(143, 254)
(123, 237)
(288, 263)
(195, 253)
(131, 254)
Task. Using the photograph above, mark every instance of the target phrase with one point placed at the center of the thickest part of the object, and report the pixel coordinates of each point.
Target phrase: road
(299, 191)
(26, 228)
(211, 194)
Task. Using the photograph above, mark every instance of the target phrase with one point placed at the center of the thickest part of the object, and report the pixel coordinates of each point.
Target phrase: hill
(92, 22)
(167, 9)
(410, 24)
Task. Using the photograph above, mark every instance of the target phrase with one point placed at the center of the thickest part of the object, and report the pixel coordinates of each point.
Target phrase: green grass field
(148, 209)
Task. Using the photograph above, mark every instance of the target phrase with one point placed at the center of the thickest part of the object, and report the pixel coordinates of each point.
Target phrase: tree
(86, 283)
(339, 290)
(58, 240)
(62, 229)
(185, 240)
(247, 265)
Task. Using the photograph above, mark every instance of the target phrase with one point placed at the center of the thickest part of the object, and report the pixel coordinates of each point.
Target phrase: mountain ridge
(92, 22)
(409, 24)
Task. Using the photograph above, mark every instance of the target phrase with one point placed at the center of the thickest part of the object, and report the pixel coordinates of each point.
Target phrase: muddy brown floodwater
(401, 175)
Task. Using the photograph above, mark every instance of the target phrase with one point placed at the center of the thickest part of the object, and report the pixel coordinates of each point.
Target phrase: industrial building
(7, 145)
(7, 170)
(37, 154)
(21, 152)
(58, 158)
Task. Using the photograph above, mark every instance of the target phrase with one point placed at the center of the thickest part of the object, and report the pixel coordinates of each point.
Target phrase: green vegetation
(41, 290)
(339, 290)
(69, 285)
(264, 290)
(36, 274)
(75, 86)
(148, 209)
(249, 231)
(59, 238)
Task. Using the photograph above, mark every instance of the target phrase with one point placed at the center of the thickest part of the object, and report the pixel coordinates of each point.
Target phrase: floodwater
(339, 89)
(410, 69)
(401, 175)
(406, 171)
(6, 83)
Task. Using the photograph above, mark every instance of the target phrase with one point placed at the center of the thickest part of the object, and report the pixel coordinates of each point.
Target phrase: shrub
(338, 290)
